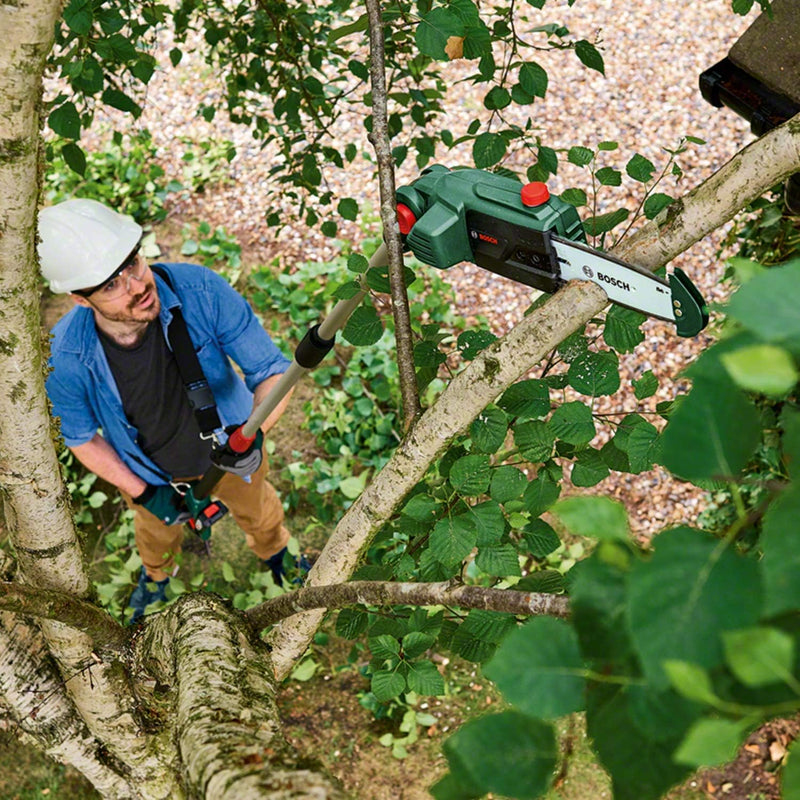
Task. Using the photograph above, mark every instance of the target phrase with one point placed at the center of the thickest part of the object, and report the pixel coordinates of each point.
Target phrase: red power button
(405, 218)
(535, 194)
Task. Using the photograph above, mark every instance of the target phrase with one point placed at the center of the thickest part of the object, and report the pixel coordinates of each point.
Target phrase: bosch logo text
(614, 282)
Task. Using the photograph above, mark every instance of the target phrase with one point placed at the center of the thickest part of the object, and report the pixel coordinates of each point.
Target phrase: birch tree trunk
(745, 177)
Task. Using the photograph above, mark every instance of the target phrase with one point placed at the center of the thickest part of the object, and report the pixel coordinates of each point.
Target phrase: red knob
(535, 194)
(405, 218)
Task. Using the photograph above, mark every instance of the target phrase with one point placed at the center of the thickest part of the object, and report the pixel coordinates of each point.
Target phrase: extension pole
(316, 344)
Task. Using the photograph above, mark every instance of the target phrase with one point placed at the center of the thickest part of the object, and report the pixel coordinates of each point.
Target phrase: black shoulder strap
(201, 398)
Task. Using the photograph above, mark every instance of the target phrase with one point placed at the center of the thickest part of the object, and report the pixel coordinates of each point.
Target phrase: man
(121, 392)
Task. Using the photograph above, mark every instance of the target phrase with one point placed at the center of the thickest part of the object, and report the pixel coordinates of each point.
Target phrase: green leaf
(608, 176)
(644, 447)
(760, 656)
(580, 156)
(595, 373)
(645, 386)
(452, 540)
(763, 368)
(533, 79)
(497, 98)
(526, 399)
(65, 121)
(711, 742)
(640, 168)
(78, 16)
(713, 433)
(470, 343)
(500, 560)
(767, 304)
(424, 679)
(596, 517)
(227, 572)
(351, 623)
(655, 204)
(364, 327)
(488, 521)
(488, 149)
(507, 483)
(623, 329)
(603, 223)
(690, 681)
(416, 643)
(589, 468)
(387, 684)
(357, 263)
(590, 56)
(540, 495)
(488, 430)
(384, 647)
(573, 423)
(434, 29)
(476, 638)
(540, 538)
(348, 208)
(509, 753)
(575, 197)
(547, 159)
(780, 543)
(539, 669)
(790, 774)
(470, 475)
(534, 440)
(696, 587)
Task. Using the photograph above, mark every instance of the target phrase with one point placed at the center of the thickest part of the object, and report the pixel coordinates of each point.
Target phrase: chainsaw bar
(625, 284)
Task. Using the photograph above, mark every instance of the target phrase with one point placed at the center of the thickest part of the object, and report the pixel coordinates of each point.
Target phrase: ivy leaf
(364, 327)
(590, 56)
(595, 373)
(538, 668)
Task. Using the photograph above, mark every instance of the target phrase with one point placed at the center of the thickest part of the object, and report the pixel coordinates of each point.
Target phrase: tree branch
(379, 137)
(387, 593)
(747, 176)
(30, 601)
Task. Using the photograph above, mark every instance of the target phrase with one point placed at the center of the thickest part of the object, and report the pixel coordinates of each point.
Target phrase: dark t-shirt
(155, 403)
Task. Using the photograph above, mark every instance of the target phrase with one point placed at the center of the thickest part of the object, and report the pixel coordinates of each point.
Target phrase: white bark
(747, 176)
(223, 705)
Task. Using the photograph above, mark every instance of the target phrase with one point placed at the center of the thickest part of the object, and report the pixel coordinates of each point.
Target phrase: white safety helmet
(82, 243)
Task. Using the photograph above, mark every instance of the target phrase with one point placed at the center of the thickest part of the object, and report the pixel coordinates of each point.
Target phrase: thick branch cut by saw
(745, 177)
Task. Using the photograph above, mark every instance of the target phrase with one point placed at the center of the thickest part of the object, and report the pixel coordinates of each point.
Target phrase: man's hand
(241, 464)
(165, 503)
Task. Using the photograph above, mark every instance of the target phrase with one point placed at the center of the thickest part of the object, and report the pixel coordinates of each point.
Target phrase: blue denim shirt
(222, 327)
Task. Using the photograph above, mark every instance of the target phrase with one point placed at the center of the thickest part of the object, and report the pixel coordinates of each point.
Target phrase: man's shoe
(143, 596)
(283, 561)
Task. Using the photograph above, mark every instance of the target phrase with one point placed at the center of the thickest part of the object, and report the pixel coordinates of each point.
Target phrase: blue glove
(165, 503)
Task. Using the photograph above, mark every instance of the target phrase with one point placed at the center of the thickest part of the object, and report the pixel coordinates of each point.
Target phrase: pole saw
(518, 231)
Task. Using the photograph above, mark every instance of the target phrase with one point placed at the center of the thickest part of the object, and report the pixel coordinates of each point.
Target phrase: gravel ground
(654, 52)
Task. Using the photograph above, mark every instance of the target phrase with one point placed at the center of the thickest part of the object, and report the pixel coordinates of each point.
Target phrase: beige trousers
(255, 506)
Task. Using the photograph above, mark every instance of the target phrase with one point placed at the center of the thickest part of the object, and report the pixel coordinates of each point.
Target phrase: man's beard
(132, 312)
